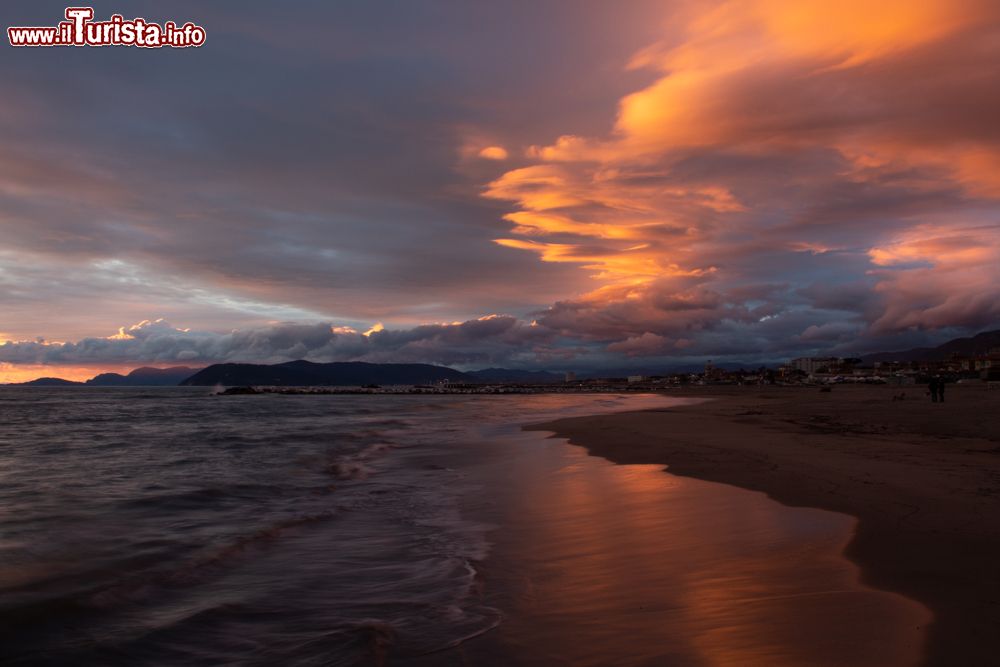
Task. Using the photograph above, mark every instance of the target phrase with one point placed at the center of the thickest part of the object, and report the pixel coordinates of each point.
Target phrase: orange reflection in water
(598, 564)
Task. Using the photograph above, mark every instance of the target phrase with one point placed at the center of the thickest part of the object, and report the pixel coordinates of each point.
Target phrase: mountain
(48, 382)
(310, 374)
(512, 375)
(144, 377)
(979, 344)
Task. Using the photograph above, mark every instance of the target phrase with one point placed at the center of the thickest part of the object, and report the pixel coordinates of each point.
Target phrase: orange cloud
(783, 129)
(493, 153)
(933, 281)
(955, 251)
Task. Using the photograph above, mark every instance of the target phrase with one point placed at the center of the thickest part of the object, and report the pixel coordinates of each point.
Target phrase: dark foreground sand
(922, 478)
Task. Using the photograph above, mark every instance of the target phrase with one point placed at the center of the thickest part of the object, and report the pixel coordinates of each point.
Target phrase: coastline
(922, 479)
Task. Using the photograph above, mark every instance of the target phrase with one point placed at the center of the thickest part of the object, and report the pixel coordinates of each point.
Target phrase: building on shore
(811, 365)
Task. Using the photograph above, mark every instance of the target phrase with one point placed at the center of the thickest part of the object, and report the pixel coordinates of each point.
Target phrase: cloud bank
(483, 341)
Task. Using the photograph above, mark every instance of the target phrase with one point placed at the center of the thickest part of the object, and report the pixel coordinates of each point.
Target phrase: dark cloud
(308, 157)
(488, 340)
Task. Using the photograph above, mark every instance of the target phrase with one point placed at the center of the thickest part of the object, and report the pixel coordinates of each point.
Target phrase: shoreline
(922, 480)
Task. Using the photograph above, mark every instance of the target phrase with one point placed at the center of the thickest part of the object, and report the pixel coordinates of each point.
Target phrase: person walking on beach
(932, 386)
(940, 389)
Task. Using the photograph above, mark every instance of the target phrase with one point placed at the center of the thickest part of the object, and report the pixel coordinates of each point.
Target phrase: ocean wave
(301, 530)
(194, 571)
(358, 466)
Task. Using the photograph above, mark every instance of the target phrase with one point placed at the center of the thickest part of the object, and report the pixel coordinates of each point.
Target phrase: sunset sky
(561, 184)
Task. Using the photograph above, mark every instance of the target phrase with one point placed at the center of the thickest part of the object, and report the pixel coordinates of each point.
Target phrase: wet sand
(922, 479)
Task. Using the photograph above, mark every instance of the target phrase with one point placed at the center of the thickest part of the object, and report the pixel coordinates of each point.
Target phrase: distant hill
(48, 382)
(512, 375)
(307, 373)
(144, 377)
(979, 344)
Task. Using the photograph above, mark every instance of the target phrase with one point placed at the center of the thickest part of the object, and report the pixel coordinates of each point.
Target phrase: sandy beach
(923, 479)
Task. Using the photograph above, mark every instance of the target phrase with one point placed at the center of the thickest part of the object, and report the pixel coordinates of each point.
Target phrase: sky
(568, 185)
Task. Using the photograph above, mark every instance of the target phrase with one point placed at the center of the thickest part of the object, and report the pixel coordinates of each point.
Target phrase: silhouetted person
(932, 386)
(940, 390)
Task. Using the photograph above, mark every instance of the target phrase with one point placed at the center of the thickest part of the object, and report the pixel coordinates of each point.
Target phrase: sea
(172, 526)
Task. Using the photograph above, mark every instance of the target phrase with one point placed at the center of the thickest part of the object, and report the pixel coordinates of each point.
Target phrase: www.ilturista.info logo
(79, 29)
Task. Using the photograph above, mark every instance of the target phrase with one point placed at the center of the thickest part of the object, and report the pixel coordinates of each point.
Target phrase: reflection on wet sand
(598, 564)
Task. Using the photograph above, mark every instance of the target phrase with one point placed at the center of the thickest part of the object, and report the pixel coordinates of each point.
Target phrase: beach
(923, 480)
